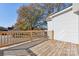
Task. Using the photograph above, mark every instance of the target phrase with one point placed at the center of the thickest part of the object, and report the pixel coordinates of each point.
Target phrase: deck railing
(13, 37)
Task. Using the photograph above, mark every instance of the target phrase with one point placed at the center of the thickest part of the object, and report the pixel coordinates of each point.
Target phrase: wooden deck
(48, 48)
(56, 48)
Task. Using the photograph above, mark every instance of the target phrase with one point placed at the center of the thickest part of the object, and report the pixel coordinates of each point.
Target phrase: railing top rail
(24, 31)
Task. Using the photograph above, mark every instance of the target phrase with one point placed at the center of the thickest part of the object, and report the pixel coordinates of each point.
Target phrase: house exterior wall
(76, 8)
(65, 27)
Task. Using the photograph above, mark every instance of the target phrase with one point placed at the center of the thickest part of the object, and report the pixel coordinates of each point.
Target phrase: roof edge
(49, 18)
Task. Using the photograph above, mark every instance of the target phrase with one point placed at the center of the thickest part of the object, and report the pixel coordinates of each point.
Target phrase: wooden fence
(13, 37)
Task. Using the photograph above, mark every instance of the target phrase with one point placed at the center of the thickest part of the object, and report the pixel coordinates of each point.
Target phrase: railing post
(1, 52)
(43, 33)
(0, 40)
(51, 35)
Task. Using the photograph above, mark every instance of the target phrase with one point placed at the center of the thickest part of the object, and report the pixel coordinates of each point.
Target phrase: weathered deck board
(48, 48)
(57, 48)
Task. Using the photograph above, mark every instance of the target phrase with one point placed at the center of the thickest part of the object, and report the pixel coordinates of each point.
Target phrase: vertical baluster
(7, 38)
(10, 38)
(3, 38)
(39, 34)
(13, 34)
(25, 36)
(43, 33)
(13, 38)
(31, 35)
(16, 36)
(20, 37)
(36, 35)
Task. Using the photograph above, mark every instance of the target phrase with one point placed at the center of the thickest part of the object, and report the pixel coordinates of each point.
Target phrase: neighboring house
(3, 29)
(64, 24)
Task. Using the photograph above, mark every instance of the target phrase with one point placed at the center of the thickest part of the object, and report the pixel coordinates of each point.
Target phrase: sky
(8, 13)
